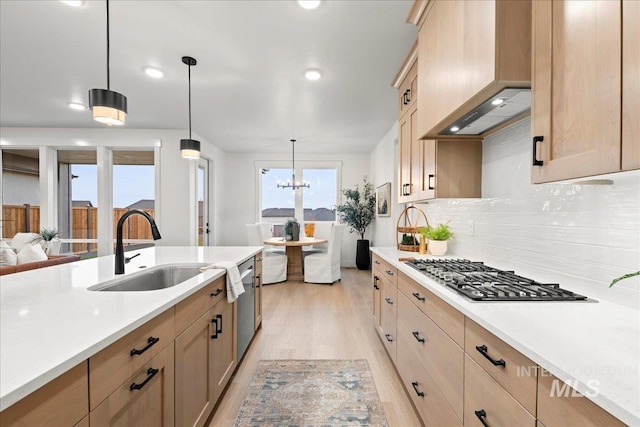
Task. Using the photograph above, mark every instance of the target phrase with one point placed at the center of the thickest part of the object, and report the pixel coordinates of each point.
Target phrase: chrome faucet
(119, 246)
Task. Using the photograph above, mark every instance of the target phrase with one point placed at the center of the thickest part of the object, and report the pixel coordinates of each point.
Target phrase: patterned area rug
(312, 393)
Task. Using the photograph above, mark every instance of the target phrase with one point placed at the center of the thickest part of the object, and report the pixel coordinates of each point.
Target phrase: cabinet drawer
(143, 399)
(190, 309)
(109, 368)
(485, 398)
(561, 406)
(439, 355)
(62, 402)
(432, 406)
(450, 320)
(514, 372)
(389, 317)
(385, 270)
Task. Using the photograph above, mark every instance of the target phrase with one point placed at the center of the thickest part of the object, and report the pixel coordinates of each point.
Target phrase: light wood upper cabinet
(467, 52)
(409, 168)
(630, 84)
(576, 89)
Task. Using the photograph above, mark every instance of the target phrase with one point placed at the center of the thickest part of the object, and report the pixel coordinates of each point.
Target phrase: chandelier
(293, 184)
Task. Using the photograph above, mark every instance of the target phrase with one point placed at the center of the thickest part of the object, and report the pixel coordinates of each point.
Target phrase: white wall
(588, 231)
(384, 168)
(176, 176)
(240, 204)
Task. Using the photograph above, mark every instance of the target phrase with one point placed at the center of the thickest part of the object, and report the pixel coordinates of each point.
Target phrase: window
(20, 192)
(278, 204)
(319, 200)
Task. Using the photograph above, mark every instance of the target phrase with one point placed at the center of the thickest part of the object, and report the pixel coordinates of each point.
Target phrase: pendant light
(293, 184)
(190, 148)
(108, 107)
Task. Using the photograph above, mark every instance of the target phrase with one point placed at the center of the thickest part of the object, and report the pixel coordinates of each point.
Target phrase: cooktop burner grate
(480, 282)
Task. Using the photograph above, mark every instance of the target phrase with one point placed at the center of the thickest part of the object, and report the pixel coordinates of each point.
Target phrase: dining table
(293, 249)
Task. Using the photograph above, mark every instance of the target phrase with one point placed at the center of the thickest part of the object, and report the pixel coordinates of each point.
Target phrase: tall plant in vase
(357, 212)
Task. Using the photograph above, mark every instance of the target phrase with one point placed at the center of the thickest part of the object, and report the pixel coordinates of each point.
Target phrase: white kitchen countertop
(50, 322)
(595, 347)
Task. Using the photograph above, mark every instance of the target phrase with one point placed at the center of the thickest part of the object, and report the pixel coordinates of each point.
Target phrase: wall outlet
(470, 228)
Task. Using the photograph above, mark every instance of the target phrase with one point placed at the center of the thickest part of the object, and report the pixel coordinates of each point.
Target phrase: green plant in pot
(292, 230)
(357, 212)
(437, 238)
(49, 239)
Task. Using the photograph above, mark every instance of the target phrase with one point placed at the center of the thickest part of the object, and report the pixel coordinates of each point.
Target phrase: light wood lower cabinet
(377, 298)
(223, 344)
(62, 402)
(485, 401)
(257, 321)
(145, 399)
(561, 406)
(389, 317)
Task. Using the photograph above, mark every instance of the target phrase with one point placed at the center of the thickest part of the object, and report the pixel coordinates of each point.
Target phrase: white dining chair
(321, 230)
(274, 265)
(266, 229)
(325, 267)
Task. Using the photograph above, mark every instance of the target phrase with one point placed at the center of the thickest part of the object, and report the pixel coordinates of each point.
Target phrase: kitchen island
(50, 322)
(593, 346)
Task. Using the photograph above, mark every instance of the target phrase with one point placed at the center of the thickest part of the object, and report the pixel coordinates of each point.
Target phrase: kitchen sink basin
(155, 278)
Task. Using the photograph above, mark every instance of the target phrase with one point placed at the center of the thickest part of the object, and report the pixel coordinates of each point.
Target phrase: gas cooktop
(480, 282)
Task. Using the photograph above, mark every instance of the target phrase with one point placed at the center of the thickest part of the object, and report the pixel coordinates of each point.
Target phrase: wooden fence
(84, 222)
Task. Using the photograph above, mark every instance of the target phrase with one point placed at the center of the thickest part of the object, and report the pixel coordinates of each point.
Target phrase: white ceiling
(248, 89)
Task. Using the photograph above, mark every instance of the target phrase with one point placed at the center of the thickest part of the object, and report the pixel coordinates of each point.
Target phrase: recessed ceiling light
(74, 3)
(156, 73)
(455, 129)
(309, 4)
(497, 101)
(312, 75)
(77, 106)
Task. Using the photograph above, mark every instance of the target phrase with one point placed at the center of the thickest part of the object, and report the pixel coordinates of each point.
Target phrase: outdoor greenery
(440, 232)
(357, 212)
(47, 235)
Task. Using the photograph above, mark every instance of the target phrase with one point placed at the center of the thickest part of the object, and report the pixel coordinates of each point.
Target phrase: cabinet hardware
(258, 279)
(259, 259)
(405, 100)
(219, 325)
(417, 336)
(481, 414)
(430, 182)
(408, 93)
(415, 387)
(375, 283)
(216, 293)
(482, 349)
(150, 374)
(389, 301)
(150, 342)
(376, 262)
(418, 297)
(389, 272)
(537, 139)
(215, 329)
(388, 337)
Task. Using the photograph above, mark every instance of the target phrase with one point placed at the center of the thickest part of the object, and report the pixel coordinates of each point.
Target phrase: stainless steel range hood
(502, 107)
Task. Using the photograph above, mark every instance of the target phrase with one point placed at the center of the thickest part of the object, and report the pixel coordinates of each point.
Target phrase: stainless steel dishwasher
(246, 305)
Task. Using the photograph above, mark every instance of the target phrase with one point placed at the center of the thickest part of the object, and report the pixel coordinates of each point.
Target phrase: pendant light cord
(108, 74)
(189, 101)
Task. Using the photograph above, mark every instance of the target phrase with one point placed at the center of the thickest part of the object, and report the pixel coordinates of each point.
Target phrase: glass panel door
(203, 202)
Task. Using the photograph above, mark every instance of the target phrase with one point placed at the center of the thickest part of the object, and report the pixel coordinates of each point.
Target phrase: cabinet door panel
(576, 88)
(223, 346)
(258, 292)
(404, 156)
(630, 84)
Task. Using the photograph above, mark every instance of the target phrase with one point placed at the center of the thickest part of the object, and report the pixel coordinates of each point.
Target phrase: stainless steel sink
(155, 278)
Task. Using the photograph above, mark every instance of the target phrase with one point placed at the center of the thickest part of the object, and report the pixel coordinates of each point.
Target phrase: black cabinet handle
(215, 329)
(388, 337)
(481, 414)
(216, 293)
(389, 301)
(537, 139)
(150, 374)
(417, 336)
(150, 342)
(375, 283)
(408, 93)
(376, 262)
(418, 297)
(389, 272)
(430, 181)
(219, 324)
(483, 351)
(415, 387)
(405, 100)
(258, 279)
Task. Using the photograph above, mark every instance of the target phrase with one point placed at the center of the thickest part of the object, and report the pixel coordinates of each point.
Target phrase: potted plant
(49, 239)
(437, 238)
(357, 212)
(292, 230)
(624, 276)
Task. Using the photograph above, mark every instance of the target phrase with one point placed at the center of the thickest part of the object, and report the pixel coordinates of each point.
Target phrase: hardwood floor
(307, 321)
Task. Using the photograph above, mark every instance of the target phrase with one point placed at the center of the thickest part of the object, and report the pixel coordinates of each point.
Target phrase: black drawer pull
(150, 342)
(215, 329)
(389, 272)
(216, 293)
(537, 139)
(415, 387)
(388, 337)
(418, 297)
(408, 92)
(258, 279)
(150, 374)
(481, 414)
(389, 301)
(376, 262)
(375, 283)
(430, 181)
(417, 336)
(483, 351)
(219, 325)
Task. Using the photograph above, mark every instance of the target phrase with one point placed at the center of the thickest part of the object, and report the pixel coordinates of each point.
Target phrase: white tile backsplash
(587, 231)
